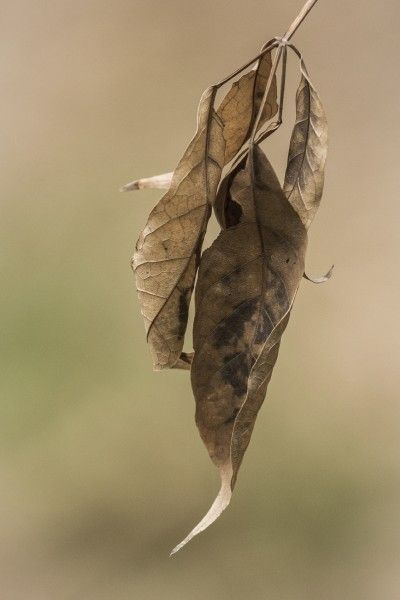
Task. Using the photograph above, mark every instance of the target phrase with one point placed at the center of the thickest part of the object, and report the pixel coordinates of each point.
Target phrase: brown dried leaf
(240, 106)
(246, 286)
(237, 112)
(304, 179)
(168, 250)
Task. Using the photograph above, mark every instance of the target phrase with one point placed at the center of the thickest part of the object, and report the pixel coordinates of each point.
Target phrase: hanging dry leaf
(246, 286)
(249, 277)
(304, 179)
(168, 250)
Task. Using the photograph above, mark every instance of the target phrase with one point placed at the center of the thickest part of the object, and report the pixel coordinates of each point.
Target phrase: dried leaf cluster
(248, 279)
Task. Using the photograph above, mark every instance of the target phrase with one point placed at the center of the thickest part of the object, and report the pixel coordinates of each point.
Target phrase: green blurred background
(102, 471)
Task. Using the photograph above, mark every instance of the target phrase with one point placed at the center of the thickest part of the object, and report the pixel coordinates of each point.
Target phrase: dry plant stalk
(248, 279)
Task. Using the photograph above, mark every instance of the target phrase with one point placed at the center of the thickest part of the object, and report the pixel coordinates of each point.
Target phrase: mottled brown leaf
(304, 179)
(168, 250)
(246, 286)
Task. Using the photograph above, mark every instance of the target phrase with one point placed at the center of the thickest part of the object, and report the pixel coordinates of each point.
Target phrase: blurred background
(102, 471)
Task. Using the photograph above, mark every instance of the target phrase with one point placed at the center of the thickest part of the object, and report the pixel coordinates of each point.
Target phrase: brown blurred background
(102, 471)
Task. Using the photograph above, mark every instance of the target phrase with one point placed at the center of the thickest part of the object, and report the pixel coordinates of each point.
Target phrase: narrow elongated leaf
(304, 179)
(168, 250)
(246, 286)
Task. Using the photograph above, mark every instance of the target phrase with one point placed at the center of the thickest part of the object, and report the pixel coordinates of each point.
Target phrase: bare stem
(274, 42)
(299, 19)
(283, 84)
(279, 43)
(267, 48)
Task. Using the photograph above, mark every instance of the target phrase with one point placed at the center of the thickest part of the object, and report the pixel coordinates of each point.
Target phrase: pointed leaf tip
(128, 187)
(218, 506)
(158, 182)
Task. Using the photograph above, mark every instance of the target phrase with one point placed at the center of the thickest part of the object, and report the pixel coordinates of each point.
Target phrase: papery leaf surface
(168, 250)
(305, 173)
(246, 286)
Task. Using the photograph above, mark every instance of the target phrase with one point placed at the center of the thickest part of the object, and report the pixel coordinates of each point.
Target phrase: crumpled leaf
(304, 179)
(246, 286)
(168, 250)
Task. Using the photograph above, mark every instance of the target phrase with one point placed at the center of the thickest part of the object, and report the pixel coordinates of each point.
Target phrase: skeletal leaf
(304, 179)
(246, 286)
(168, 250)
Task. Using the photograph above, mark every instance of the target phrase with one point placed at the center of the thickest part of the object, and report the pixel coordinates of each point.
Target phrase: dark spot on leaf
(233, 213)
(236, 372)
(232, 327)
(227, 280)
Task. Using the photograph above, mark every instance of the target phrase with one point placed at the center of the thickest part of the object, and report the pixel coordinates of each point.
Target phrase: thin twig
(280, 44)
(278, 55)
(267, 48)
(275, 42)
(299, 19)
(283, 85)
